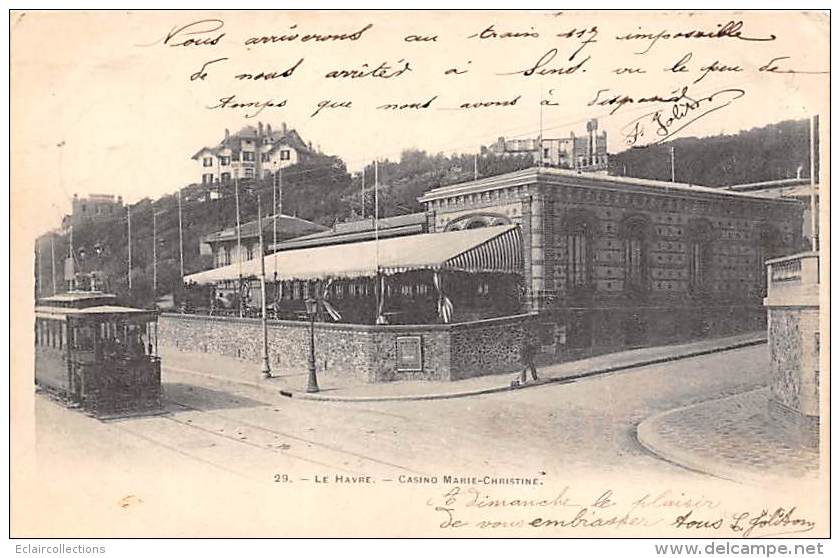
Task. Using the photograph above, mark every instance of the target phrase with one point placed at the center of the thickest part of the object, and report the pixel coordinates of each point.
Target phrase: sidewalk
(732, 437)
(351, 390)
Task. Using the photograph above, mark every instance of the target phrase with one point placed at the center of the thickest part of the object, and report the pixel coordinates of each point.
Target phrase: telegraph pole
(52, 258)
(154, 253)
(72, 262)
(363, 191)
(379, 283)
(180, 235)
(238, 241)
(673, 171)
(815, 243)
(266, 367)
(40, 259)
(128, 207)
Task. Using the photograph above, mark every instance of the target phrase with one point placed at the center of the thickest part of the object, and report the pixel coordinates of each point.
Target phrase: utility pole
(379, 283)
(266, 367)
(40, 259)
(180, 235)
(72, 262)
(238, 241)
(815, 243)
(154, 253)
(541, 128)
(128, 207)
(475, 167)
(363, 192)
(673, 172)
(52, 258)
(277, 210)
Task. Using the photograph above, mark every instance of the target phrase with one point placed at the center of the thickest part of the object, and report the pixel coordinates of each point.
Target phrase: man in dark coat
(529, 353)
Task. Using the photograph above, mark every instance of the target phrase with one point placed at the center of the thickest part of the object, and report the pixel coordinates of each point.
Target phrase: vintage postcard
(420, 274)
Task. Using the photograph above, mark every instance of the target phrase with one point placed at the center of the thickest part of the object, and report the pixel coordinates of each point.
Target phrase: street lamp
(266, 367)
(311, 310)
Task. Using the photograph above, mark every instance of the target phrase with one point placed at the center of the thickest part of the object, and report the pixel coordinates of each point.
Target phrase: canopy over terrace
(485, 250)
(476, 269)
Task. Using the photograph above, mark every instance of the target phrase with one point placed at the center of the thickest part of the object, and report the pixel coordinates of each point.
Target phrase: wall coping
(359, 327)
(799, 256)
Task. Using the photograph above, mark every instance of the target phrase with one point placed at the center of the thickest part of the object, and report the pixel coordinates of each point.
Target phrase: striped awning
(490, 249)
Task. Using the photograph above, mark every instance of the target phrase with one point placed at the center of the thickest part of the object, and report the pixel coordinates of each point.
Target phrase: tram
(97, 356)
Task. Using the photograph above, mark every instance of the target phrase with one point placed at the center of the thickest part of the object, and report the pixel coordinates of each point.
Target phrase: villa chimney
(227, 134)
(259, 129)
(268, 129)
(284, 129)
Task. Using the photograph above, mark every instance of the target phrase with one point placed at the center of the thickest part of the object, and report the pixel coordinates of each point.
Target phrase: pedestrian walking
(529, 353)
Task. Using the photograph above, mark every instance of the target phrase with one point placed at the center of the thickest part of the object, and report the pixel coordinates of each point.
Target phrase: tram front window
(84, 338)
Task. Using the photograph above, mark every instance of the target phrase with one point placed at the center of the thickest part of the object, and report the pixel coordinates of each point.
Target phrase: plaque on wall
(409, 353)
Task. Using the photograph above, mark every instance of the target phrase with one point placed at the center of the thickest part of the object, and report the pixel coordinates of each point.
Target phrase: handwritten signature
(682, 111)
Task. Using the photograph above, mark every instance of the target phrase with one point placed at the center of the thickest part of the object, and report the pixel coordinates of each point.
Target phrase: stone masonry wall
(495, 346)
(794, 357)
(367, 353)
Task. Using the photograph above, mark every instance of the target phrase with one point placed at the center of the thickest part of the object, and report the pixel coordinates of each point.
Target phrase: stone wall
(494, 345)
(367, 353)
(793, 335)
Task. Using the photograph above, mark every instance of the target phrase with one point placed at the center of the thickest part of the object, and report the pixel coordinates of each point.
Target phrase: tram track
(279, 433)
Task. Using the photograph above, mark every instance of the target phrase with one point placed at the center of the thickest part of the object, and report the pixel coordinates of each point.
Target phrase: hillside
(768, 153)
(319, 189)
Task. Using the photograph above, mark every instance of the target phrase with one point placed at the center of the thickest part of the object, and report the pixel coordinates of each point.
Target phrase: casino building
(616, 261)
(584, 262)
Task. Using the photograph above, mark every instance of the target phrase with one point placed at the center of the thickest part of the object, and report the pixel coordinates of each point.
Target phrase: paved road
(208, 466)
(586, 426)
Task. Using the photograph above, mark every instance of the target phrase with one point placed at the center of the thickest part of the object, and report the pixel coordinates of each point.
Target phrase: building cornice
(558, 177)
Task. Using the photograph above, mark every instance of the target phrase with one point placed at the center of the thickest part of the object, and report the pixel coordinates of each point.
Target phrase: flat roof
(74, 296)
(45, 311)
(561, 176)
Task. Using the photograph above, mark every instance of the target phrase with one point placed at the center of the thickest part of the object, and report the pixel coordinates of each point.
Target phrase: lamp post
(311, 310)
(266, 367)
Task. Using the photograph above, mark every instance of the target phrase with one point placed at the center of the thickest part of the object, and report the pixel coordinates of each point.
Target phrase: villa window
(208, 161)
(285, 155)
(224, 161)
(247, 155)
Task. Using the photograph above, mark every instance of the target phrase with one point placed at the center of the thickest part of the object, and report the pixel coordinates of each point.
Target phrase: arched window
(699, 256)
(579, 239)
(635, 254)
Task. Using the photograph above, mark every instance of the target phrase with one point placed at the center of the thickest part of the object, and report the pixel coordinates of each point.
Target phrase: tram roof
(72, 296)
(94, 312)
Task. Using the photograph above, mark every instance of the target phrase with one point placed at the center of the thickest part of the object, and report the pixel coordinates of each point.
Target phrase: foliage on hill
(319, 189)
(767, 153)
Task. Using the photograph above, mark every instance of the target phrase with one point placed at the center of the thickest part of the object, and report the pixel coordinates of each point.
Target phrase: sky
(101, 103)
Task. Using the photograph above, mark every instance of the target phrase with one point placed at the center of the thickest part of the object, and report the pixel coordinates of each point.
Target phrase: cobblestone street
(731, 437)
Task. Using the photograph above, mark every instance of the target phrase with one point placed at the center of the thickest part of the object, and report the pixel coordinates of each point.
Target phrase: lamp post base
(266, 368)
(312, 383)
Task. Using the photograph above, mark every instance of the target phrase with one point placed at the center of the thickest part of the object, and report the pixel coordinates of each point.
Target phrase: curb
(648, 436)
(539, 383)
